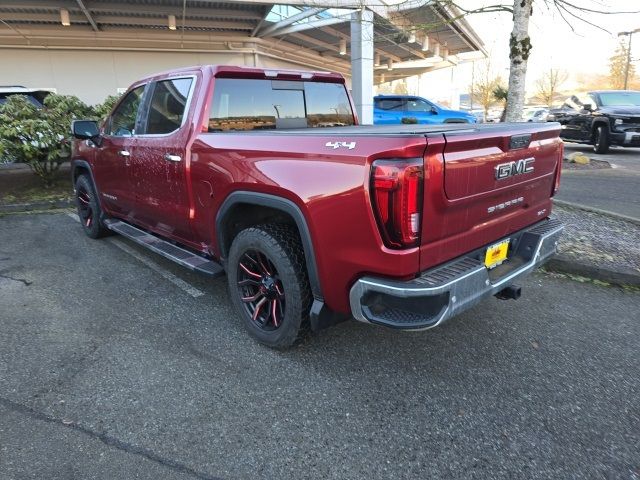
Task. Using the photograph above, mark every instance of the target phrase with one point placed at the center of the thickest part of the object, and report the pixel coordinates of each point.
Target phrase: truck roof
(615, 91)
(234, 71)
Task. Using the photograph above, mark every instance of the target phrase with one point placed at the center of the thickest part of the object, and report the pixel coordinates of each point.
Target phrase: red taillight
(396, 190)
(556, 183)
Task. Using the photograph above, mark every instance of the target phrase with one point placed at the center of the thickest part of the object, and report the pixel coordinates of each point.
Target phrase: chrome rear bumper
(445, 291)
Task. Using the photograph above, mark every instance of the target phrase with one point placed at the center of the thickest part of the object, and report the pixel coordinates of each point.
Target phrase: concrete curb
(29, 207)
(564, 264)
(618, 216)
(23, 167)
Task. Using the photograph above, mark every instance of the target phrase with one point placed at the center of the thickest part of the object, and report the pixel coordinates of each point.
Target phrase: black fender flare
(277, 203)
(77, 164)
(600, 121)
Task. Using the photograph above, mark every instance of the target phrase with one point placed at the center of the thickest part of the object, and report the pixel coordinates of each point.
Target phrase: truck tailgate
(484, 184)
(485, 162)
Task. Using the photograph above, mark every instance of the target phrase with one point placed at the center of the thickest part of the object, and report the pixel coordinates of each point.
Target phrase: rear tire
(601, 139)
(89, 211)
(269, 285)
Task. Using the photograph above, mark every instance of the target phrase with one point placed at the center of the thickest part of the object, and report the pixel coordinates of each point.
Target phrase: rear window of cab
(262, 104)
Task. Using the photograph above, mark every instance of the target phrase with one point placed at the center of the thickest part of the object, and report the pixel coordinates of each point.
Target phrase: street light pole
(626, 68)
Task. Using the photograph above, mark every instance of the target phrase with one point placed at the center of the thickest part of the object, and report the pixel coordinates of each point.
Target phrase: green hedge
(41, 137)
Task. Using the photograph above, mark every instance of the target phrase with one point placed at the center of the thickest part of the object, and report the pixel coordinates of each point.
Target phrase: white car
(536, 115)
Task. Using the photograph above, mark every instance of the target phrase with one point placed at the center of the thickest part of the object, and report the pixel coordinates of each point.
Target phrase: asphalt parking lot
(614, 190)
(116, 364)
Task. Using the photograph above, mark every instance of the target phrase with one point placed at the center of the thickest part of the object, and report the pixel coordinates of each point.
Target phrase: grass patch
(23, 186)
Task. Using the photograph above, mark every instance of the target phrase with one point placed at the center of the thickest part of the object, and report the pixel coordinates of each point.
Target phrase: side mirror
(588, 107)
(85, 129)
(434, 110)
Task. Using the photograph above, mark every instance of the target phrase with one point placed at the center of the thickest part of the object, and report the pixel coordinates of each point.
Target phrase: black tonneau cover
(407, 130)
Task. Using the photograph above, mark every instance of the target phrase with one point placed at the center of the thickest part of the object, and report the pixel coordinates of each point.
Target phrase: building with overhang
(95, 48)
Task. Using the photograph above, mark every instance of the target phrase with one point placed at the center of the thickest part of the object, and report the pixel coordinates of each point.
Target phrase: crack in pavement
(22, 280)
(107, 440)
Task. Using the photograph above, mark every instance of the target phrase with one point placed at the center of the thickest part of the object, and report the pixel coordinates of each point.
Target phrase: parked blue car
(397, 109)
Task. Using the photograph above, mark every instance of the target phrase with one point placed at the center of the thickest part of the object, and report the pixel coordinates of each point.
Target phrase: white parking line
(178, 282)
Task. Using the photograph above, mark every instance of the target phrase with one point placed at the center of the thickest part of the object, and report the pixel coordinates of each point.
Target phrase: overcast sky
(586, 49)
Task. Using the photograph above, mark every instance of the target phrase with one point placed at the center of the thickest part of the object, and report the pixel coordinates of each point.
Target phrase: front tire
(89, 211)
(269, 285)
(601, 143)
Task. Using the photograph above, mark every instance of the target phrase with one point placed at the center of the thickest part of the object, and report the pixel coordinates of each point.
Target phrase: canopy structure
(406, 37)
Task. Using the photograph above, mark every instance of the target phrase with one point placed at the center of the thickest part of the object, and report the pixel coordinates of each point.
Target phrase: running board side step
(168, 250)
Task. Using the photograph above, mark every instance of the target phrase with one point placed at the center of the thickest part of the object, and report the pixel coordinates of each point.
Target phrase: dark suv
(601, 119)
(36, 97)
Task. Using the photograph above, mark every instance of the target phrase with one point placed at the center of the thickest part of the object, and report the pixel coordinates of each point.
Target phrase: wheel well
(246, 209)
(80, 170)
(245, 215)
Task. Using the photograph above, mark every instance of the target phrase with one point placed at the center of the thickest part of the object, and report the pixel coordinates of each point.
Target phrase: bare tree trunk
(520, 46)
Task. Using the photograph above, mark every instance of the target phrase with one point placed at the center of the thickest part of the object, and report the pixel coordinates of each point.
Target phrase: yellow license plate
(496, 254)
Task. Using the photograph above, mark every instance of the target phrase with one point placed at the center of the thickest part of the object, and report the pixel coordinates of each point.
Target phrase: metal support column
(362, 64)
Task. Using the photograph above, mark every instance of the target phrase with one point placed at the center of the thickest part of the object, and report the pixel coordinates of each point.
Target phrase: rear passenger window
(167, 106)
(123, 120)
(391, 104)
(248, 104)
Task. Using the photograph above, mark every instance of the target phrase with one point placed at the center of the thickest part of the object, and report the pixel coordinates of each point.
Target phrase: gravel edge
(586, 208)
(564, 264)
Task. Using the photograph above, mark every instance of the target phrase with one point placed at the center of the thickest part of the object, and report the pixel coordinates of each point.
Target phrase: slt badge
(334, 145)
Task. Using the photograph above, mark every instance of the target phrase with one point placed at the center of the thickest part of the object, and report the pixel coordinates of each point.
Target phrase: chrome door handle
(172, 158)
(124, 153)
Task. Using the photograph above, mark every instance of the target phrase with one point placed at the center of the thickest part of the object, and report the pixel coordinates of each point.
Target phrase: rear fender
(286, 206)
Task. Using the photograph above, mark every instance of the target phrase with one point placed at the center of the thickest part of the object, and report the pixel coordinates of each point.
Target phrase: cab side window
(168, 105)
(123, 120)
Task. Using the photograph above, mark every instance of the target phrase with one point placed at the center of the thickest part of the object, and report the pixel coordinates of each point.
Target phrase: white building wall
(93, 75)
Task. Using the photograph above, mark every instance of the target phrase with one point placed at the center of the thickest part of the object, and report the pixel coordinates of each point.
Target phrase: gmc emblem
(517, 167)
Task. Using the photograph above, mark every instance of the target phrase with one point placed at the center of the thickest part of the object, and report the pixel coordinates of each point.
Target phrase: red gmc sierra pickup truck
(266, 176)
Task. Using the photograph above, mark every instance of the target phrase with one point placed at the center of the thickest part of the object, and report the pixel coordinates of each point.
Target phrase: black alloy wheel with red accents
(261, 290)
(268, 284)
(88, 207)
(85, 210)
